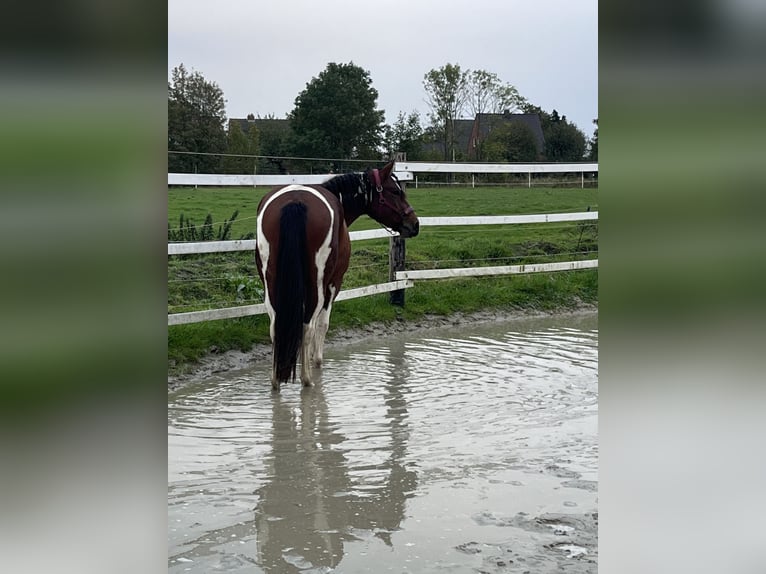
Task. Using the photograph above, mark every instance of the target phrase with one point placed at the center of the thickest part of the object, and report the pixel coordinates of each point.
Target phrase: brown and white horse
(303, 250)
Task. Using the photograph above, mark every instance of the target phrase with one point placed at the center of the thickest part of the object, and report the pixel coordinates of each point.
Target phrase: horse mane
(351, 188)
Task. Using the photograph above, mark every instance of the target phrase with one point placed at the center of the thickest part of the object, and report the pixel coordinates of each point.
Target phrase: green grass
(222, 202)
(230, 279)
(195, 204)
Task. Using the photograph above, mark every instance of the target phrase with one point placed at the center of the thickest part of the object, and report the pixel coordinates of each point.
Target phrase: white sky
(262, 54)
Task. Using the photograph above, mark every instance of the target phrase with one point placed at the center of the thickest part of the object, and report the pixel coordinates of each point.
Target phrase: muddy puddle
(470, 449)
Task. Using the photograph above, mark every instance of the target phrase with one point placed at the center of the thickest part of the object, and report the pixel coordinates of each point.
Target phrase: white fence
(404, 279)
(428, 167)
(249, 244)
(499, 168)
(404, 170)
(226, 180)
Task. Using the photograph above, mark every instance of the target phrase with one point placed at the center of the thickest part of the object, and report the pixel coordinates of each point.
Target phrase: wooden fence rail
(404, 170)
(260, 308)
(249, 244)
(497, 270)
(229, 180)
(401, 279)
(446, 167)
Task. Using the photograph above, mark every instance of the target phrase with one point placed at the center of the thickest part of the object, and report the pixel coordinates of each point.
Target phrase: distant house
(470, 134)
(435, 149)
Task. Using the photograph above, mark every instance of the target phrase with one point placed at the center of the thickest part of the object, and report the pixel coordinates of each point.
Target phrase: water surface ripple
(452, 450)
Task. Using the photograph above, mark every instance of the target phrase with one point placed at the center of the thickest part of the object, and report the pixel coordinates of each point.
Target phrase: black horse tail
(290, 299)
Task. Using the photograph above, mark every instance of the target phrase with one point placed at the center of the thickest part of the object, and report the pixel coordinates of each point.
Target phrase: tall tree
(196, 118)
(446, 95)
(488, 95)
(406, 135)
(336, 115)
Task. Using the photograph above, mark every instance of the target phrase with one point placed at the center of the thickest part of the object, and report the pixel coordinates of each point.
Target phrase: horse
(302, 253)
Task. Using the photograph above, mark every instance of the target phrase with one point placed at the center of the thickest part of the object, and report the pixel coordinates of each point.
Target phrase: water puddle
(454, 450)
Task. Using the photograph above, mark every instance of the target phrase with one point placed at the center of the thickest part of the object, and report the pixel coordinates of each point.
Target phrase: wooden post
(396, 255)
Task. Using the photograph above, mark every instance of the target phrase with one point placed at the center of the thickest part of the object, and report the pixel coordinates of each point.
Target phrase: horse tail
(290, 290)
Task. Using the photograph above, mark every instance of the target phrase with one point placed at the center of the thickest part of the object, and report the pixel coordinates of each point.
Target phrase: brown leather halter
(382, 199)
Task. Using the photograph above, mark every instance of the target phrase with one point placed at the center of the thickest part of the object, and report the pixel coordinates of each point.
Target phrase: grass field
(230, 279)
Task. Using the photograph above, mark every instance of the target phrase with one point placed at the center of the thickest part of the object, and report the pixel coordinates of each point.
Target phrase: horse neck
(352, 189)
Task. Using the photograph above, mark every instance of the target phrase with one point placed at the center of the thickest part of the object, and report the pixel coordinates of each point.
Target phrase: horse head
(389, 204)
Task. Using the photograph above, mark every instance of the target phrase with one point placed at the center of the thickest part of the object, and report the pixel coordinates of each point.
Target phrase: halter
(382, 198)
(376, 178)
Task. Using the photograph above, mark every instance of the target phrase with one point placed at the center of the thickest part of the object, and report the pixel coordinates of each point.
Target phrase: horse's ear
(385, 172)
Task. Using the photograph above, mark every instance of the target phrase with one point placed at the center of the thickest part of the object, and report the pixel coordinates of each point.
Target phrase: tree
(196, 118)
(239, 146)
(446, 95)
(487, 94)
(336, 115)
(593, 144)
(510, 141)
(274, 141)
(563, 140)
(406, 135)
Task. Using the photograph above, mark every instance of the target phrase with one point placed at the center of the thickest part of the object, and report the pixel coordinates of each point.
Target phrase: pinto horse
(302, 252)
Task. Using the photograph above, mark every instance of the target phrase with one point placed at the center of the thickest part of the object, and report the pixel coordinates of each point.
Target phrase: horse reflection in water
(310, 505)
(303, 251)
(310, 500)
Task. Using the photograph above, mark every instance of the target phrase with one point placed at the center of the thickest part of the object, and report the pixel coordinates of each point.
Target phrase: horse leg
(309, 333)
(272, 316)
(323, 323)
(274, 380)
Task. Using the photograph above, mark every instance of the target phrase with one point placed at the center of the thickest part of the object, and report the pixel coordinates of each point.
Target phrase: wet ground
(470, 449)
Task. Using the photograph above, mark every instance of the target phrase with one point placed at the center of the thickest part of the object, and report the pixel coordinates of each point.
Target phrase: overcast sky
(262, 54)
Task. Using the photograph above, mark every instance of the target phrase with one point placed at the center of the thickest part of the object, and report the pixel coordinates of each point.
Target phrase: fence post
(396, 256)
